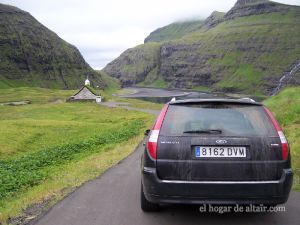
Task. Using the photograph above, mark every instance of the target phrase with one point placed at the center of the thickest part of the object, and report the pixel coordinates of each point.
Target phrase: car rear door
(251, 147)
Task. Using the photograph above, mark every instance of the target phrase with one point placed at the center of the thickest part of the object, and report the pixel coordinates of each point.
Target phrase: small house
(86, 93)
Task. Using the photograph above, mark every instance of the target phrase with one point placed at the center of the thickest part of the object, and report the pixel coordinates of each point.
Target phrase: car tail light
(283, 140)
(152, 142)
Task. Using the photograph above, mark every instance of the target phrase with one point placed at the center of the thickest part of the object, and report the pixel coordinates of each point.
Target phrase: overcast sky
(103, 29)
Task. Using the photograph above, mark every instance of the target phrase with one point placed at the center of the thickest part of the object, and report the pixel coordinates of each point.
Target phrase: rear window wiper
(203, 131)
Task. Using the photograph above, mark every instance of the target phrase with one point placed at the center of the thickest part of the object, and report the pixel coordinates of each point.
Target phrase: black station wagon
(215, 151)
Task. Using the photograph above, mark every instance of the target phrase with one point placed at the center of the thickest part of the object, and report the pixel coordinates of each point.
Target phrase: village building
(86, 93)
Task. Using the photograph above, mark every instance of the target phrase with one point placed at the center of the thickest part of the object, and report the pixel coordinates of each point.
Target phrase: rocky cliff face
(246, 51)
(255, 7)
(31, 54)
(213, 20)
(248, 2)
(135, 64)
(182, 66)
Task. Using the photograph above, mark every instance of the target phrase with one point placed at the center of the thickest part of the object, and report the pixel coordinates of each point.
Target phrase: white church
(86, 94)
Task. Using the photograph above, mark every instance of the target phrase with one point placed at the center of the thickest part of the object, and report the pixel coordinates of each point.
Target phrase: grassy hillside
(177, 30)
(249, 53)
(55, 146)
(111, 82)
(246, 51)
(174, 31)
(33, 55)
(286, 108)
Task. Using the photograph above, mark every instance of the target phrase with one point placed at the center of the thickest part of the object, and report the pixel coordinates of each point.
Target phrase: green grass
(40, 140)
(36, 95)
(48, 125)
(140, 104)
(48, 121)
(65, 178)
(23, 172)
(286, 108)
(244, 78)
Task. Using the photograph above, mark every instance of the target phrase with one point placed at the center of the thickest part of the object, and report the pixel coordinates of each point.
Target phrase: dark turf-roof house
(86, 93)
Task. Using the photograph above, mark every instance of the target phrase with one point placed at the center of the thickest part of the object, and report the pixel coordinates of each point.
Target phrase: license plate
(220, 152)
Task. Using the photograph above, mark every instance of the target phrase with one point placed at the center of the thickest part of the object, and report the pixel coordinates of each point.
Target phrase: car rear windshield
(217, 119)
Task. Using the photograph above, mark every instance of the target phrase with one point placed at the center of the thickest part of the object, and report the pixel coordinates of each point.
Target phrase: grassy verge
(64, 179)
(49, 147)
(29, 170)
(286, 108)
(136, 103)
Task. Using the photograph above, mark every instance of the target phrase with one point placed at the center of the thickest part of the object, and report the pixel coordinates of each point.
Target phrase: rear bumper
(216, 192)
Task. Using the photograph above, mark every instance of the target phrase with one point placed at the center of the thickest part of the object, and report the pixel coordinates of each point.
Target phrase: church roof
(89, 88)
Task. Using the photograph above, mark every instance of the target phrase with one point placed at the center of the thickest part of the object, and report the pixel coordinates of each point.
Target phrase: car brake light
(152, 142)
(283, 140)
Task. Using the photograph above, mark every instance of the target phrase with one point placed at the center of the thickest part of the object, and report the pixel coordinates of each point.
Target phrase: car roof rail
(247, 99)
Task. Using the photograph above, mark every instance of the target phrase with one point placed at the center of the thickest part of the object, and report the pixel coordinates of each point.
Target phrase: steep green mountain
(179, 29)
(135, 63)
(173, 31)
(32, 55)
(247, 50)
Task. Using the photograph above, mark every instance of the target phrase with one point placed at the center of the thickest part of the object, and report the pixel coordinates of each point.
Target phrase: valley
(247, 50)
(50, 147)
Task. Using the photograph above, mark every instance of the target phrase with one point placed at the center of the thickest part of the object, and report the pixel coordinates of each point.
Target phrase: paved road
(113, 199)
